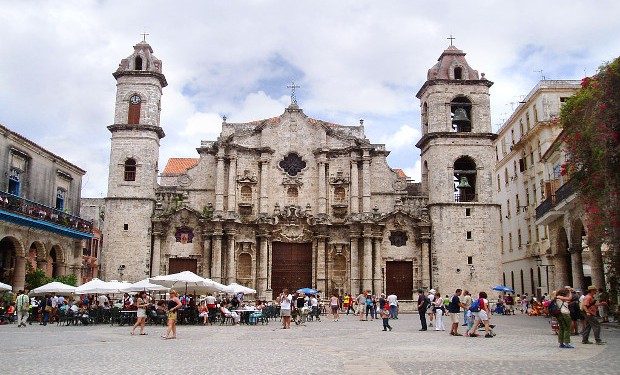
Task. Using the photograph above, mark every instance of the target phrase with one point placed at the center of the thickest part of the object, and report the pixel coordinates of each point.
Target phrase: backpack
(475, 306)
(554, 309)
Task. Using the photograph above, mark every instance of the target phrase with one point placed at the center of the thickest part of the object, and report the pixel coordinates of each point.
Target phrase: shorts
(455, 317)
(576, 315)
(481, 315)
(361, 309)
(172, 316)
(334, 309)
(285, 312)
(141, 313)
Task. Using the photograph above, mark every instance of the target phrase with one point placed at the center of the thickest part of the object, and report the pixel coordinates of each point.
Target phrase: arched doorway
(56, 262)
(12, 262)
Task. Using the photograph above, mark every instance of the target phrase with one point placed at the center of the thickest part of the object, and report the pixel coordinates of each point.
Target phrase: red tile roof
(179, 165)
(400, 172)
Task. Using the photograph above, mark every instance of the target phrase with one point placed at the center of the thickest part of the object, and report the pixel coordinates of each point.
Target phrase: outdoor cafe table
(129, 316)
(244, 314)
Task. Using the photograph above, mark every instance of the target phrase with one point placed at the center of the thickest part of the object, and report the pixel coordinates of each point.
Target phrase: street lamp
(121, 270)
(539, 261)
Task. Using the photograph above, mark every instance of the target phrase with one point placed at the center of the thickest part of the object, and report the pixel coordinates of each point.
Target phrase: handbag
(48, 308)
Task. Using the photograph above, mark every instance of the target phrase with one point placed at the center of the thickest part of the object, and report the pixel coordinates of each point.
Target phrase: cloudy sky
(353, 60)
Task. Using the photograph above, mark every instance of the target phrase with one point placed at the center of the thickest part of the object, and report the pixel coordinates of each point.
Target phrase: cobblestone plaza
(523, 345)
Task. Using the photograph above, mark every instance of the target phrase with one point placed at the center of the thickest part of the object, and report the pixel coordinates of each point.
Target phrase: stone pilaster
(321, 283)
(377, 277)
(231, 266)
(577, 267)
(19, 278)
(232, 184)
(366, 181)
(355, 199)
(355, 265)
(264, 183)
(216, 267)
(219, 182)
(322, 186)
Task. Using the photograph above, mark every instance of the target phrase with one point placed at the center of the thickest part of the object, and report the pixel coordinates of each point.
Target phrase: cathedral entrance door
(291, 266)
(182, 264)
(399, 279)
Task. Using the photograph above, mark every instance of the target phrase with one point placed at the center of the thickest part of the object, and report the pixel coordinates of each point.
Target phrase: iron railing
(34, 210)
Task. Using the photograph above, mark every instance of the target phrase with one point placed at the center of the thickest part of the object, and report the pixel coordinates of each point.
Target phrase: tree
(591, 121)
(34, 277)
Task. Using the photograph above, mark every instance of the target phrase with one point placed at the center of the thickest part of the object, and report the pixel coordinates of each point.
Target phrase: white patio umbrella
(96, 286)
(238, 288)
(221, 287)
(186, 279)
(53, 287)
(4, 286)
(146, 286)
(118, 285)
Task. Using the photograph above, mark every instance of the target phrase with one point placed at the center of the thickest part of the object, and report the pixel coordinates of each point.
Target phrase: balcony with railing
(553, 207)
(29, 213)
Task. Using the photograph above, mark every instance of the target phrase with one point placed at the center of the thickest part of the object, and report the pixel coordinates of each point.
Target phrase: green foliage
(591, 121)
(36, 278)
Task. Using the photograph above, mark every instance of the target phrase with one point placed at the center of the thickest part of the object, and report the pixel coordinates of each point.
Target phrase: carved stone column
(216, 267)
(322, 186)
(596, 265)
(320, 264)
(42, 265)
(219, 182)
(425, 264)
(366, 259)
(206, 256)
(377, 277)
(19, 276)
(232, 183)
(355, 199)
(366, 181)
(262, 264)
(156, 262)
(355, 265)
(577, 266)
(264, 183)
(59, 269)
(231, 265)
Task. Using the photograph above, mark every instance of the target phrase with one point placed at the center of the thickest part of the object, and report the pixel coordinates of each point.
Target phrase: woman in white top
(285, 308)
(141, 303)
(438, 306)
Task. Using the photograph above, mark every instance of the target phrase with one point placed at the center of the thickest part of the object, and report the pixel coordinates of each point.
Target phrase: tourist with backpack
(559, 301)
(482, 313)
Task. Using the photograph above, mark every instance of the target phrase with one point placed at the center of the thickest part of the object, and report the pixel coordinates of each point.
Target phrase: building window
(460, 109)
(519, 238)
(468, 212)
(518, 204)
(138, 63)
(469, 235)
(60, 198)
(246, 194)
(292, 164)
(465, 179)
(130, 170)
(398, 238)
(458, 73)
(125, 226)
(510, 242)
(133, 117)
(340, 195)
(501, 241)
(506, 175)
(499, 187)
(508, 209)
(14, 181)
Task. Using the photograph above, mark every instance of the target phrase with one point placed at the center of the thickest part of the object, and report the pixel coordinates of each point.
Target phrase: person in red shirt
(589, 306)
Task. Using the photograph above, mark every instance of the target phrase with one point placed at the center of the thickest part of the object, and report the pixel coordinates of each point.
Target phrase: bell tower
(133, 169)
(457, 164)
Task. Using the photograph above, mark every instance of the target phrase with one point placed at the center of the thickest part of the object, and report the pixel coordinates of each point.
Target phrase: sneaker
(601, 343)
(569, 346)
(488, 336)
(473, 335)
(562, 346)
(390, 328)
(384, 329)
(430, 324)
(586, 342)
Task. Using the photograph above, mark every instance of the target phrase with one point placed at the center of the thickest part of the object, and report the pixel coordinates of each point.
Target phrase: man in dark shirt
(454, 307)
(422, 306)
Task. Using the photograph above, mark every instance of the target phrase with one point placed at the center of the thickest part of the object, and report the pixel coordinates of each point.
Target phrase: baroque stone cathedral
(292, 201)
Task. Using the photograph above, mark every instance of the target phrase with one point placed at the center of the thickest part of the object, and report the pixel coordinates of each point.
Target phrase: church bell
(464, 184)
(460, 118)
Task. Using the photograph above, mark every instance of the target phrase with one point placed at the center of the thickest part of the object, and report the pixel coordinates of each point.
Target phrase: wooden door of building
(291, 266)
(399, 279)
(182, 264)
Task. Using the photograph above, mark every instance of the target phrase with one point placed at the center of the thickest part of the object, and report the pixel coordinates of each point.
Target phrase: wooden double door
(291, 266)
(399, 279)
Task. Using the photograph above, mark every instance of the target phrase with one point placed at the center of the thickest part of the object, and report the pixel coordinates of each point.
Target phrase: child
(469, 318)
(385, 315)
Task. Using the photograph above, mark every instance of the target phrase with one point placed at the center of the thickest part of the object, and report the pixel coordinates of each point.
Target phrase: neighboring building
(39, 204)
(572, 258)
(519, 179)
(293, 201)
(92, 209)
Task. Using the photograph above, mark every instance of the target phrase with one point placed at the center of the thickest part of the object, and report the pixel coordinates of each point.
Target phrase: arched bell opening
(465, 174)
(460, 109)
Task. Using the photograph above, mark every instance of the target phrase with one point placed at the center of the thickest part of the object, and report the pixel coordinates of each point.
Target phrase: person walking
(561, 298)
(466, 300)
(454, 307)
(423, 304)
(592, 324)
(439, 310)
(482, 315)
(385, 316)
(334, 304)
(431, 312)
(141, 303)
(23, 308)
(361, 304)
(174, 304)
(45, 307)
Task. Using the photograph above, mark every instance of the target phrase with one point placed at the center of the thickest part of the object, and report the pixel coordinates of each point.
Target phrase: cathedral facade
(292, 201)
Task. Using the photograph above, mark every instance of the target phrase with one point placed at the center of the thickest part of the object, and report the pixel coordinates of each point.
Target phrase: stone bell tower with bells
(457, 158)
(134, 154)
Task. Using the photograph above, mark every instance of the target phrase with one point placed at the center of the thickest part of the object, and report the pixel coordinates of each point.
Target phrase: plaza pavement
(523, 345)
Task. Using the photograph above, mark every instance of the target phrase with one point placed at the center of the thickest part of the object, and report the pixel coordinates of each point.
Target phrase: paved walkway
(523, 345)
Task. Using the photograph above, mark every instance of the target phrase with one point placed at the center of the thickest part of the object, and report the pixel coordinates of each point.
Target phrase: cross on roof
(451, 38)
(292, 86)
(144, 36)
